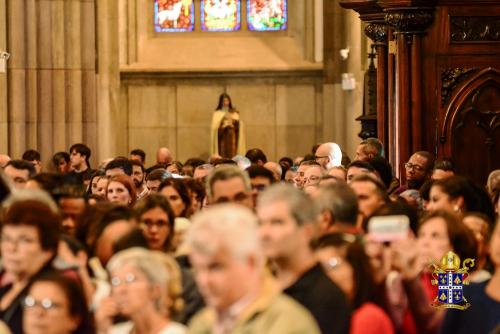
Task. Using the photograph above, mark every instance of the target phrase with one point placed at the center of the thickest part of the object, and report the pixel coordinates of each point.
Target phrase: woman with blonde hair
(145, 289)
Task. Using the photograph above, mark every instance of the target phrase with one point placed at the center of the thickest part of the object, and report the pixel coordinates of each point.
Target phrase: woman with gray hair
(145, 289)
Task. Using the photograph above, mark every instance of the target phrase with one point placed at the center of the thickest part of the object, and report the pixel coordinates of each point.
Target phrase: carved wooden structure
(438, 79)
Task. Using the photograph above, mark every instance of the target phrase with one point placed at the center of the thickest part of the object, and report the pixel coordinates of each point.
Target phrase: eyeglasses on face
(47, 304)
(418, 168)
(129, 279)
(317, 157)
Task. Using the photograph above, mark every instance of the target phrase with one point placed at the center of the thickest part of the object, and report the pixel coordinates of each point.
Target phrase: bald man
(328, 155)
(163, 156)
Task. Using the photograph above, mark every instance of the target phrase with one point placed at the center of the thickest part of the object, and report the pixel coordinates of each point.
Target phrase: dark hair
(459, 186)
(56, 158)
(361, 164)
(462, 241)
(158, 174)
(140, 153)
(97, 174)
(127, 183)
(23, 165)
(194, 162)
(177, 164)
(137, 163)
(75, 297)
(384, 170)
(31, 155)
(82, 149)
(123, 164)
(197, 187)
(430, 159)
(182, 189)
(48, 181)
(425, 190)
(157, 201)
(134, 238)
(39, 215)
(221, 102)
(445, 164)
(285, 163)
(309, 163)
(364, 282)
(345, 160)
(103, 214)
(256, 154)
(256, 171)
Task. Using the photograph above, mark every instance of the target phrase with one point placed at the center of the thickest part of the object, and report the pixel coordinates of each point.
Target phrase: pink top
(370, 319)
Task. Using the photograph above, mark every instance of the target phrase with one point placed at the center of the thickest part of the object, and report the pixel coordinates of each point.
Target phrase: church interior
(107, 74)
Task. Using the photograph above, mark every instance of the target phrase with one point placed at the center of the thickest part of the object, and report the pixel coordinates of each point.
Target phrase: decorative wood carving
(471, 125)
(474, 29)
(377, 32)
(409, 20)
(450, 78)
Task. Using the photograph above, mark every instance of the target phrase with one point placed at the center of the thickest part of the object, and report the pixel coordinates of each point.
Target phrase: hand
(380, 258)
(104, 314)
(404, 258)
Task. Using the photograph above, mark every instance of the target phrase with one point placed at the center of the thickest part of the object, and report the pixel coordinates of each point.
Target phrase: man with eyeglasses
(328, 155)
(418, 170)
(228, 183)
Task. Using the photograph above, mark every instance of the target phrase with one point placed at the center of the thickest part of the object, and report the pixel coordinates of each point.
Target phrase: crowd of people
(245, 245)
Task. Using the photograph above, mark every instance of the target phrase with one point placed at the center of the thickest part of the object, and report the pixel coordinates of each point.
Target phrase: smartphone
(388, 228)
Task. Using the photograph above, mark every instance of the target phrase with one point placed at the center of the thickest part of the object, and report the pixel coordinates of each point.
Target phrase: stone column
(51, 75)
(111, 129)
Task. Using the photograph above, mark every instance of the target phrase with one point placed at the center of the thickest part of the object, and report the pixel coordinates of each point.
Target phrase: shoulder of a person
(286, 309)
(202, 320)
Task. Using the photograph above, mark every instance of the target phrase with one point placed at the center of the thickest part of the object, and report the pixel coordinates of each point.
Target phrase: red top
(370, 319)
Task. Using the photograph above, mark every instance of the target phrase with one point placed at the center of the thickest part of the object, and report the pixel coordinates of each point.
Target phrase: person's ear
(458, 204)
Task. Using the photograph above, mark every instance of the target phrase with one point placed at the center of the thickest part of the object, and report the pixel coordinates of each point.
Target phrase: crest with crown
(450, 279)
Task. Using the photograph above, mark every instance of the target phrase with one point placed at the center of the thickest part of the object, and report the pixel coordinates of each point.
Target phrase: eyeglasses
(129, 279)
(147, 223)
(317, 157)
(46, 303)
(418, 168)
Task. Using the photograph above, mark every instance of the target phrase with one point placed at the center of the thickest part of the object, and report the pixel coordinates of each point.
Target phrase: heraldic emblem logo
(450, 279)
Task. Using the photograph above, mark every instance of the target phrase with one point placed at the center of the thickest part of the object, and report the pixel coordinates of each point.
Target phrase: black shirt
(324, 299)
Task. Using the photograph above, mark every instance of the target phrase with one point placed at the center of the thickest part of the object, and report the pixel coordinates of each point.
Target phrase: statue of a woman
(227, 132)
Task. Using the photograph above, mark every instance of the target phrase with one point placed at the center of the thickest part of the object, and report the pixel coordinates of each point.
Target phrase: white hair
(335, 153)
(230, 227)
(159, 268)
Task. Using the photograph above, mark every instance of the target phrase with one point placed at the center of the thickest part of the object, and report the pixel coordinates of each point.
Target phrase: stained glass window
(266, 15)
(220, 15)
(174, 15)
